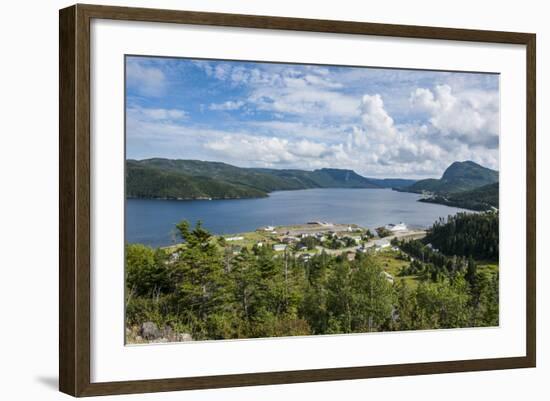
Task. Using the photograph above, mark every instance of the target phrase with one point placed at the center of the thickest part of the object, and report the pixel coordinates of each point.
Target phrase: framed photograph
(249, 200)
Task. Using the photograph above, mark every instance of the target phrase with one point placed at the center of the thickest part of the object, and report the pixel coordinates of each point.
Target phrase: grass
(250, 238)
(390, 262)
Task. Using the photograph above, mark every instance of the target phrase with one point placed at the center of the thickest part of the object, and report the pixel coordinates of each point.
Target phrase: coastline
(463, 205)
(267, 194)
(434, 199)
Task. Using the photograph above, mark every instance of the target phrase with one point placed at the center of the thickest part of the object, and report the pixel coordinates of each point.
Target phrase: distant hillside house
(234, 238)
(381, 244)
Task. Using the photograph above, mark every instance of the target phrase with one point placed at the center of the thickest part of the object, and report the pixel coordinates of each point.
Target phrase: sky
(379, 122)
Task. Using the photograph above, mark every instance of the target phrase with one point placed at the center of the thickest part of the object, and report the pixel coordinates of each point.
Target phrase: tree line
(467, 234)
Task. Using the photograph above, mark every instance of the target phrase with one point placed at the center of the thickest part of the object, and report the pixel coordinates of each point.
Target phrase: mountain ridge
(463, 184)
(196, 179)
(458, 177)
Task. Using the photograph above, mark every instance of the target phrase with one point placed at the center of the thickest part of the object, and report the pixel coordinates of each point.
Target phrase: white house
(234, 238)
(381, 244)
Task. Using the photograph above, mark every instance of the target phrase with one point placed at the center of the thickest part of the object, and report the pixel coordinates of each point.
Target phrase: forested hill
(459, 176)
(482, 198)
(150, 182)
(467, 234)
(195, 179)
(463, 184)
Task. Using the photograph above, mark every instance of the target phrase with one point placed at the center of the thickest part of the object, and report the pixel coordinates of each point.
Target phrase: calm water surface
(152, 222)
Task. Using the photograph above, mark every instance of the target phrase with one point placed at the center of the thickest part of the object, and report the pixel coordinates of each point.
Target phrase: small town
(314, 237)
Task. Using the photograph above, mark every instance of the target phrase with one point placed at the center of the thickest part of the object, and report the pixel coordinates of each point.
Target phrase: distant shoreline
(204, 198)
(480, 208)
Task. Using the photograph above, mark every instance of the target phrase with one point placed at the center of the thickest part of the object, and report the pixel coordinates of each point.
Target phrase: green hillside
(254, 178)
(195, 179)
(323, 178)
(395, 183)
(482, 198)
(459, 176)
(151, 182)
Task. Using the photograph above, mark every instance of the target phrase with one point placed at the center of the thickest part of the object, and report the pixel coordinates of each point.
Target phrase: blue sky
(378, 122)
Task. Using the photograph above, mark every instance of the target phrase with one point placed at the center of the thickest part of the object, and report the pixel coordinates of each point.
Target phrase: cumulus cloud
(416, 148)
(375, 118)
(270, 151)
(472, 116)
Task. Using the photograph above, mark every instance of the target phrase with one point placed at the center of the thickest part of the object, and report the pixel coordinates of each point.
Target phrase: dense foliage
(481, 199)
(383, 232)
(206, 289)
(192, 179)
(467, 234)
(147, 182)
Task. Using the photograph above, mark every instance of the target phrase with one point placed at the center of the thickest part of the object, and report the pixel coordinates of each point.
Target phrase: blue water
(152, 222)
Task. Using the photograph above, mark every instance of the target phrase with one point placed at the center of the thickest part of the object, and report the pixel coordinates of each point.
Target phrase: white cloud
(415, 148)
(297, 97)
(156, 114)
(148, 81)
(288, 89)
(375, 118)
(228, 105)
(471, 115)
(305, 148)
(273, 151)
(327, 132)
(256, 150)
